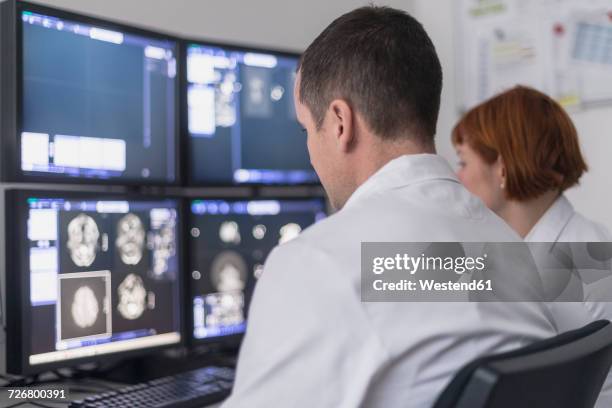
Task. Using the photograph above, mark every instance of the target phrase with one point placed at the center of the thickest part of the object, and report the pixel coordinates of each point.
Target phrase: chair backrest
(566, 371)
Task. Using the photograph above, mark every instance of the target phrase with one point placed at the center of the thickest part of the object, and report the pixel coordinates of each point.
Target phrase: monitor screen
(241, 118)
(97, 102)
(102, 275)
(229, 243)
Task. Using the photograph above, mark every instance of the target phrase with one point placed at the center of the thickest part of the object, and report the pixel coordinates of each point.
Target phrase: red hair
(534, 136)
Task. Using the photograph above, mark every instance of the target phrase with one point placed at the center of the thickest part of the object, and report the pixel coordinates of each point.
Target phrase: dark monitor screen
(229, 243)
(241, 118)
(98, 102)
(101, 276)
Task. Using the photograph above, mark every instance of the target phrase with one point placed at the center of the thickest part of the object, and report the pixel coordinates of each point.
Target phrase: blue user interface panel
(104, 276)
(97, 103)
(241, 118)
(229, 243)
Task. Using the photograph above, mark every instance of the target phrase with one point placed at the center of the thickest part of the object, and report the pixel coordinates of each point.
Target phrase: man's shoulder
(400, 218)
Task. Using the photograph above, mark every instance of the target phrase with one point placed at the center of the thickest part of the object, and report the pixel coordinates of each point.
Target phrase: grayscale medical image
(132, 297)
(162, 243)
(83, 309)
(83, 236)
(130, 240)
(228, 272)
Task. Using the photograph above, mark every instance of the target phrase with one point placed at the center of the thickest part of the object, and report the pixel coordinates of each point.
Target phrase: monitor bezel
(232, 340)
(185, 135)
(18, 285)
(12, 142)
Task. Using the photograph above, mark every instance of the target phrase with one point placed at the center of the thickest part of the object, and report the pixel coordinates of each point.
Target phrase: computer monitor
(94, 100)
(242, 127)
(229, 241)
(90, 277)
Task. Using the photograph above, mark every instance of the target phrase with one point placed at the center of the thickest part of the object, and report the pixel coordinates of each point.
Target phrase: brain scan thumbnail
(162, 240)
(229, 232)
(229, 272)
(259, 231)
(83, 235)
(288, 232)
(84, 307)
(83, 310)
(130, 239)
(132, 297)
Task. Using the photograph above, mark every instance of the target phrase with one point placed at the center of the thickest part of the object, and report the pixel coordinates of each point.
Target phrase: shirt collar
(403, 171)
(551, 224)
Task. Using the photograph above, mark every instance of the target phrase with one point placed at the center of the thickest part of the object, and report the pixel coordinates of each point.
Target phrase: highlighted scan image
(83, 308)
(83, 235)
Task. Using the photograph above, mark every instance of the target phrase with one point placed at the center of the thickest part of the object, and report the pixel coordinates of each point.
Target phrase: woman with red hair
(519, 152)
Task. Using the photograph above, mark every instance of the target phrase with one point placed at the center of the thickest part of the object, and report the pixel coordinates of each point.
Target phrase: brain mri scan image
(83, 235)
(259, 231)
(132, 297)
(288, 232)
(162, 242)
(229, 272)
(225, 105)
(130, 239)
(257, 96)
(84, 307)
(277, 93)
(229, 232)
(256, 88)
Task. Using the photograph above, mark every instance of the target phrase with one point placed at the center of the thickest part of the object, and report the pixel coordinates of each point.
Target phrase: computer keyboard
(190, 389)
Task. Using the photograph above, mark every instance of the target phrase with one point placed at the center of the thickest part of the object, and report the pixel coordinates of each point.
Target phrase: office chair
(566, 371)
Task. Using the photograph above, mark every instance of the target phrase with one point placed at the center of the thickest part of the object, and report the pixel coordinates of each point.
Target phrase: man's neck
(371, 161)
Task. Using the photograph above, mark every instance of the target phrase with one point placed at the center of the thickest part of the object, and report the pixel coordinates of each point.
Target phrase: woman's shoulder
(580, 228)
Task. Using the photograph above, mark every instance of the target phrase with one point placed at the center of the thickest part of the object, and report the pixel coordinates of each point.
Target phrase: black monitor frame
(11, 95)
(185, 136)
(232, 341)
(18, 285)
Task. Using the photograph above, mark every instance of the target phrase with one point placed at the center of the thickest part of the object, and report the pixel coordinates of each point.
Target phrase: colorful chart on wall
(561, 47)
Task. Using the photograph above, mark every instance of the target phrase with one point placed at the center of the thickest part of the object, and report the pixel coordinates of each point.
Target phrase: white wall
(593, 198)
(290, 24)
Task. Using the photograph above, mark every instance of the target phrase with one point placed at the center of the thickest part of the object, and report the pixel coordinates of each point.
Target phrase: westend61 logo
(485, 272)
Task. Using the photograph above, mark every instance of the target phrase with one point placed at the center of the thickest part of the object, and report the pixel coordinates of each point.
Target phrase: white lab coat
(561, 223)
(311, 342)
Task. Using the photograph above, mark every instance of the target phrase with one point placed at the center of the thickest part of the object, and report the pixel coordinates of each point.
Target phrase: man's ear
(340, 122)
